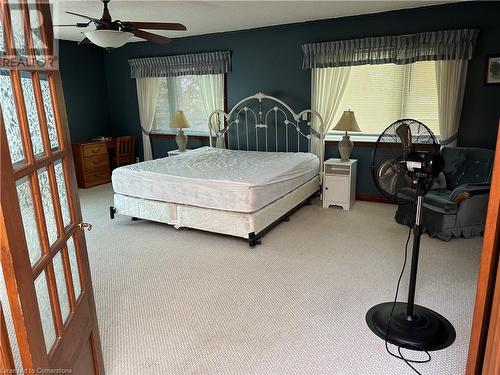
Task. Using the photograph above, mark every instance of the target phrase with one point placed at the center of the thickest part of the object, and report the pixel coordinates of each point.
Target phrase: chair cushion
(440, 182)
(465, 165)
(437, 200)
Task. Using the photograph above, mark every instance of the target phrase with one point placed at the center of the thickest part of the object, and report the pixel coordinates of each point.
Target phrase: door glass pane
(63, 196)
(25, 196)
(36, 30)
(2, 44)
(10, 324)
(48, 206)
(62, 290)
(49, 111)
(32, 114)
(75, 273)
(42, 295)
(16, 17)
(10, 120)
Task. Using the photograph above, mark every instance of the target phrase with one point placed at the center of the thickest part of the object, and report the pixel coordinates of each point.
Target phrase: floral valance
(396, 49)
(179, 65)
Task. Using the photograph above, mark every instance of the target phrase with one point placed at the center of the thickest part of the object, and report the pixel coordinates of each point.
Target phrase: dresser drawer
(94, 149)
(97, 161)
(97, 175)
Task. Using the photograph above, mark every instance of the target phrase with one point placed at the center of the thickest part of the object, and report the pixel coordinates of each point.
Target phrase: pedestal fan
(406, 158)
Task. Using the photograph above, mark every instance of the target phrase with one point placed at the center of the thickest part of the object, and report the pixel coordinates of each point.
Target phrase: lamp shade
(179, 121)
(347, 123)
(108, 38)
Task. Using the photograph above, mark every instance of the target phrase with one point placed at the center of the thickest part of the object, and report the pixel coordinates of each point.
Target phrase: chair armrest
(468, 190)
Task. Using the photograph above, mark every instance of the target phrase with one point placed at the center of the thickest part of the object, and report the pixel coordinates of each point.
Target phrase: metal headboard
(265, 123)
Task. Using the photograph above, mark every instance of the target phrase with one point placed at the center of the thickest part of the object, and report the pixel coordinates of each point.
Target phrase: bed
(261, 171)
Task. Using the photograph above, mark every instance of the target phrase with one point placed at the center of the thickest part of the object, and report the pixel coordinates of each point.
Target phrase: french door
(47, 312)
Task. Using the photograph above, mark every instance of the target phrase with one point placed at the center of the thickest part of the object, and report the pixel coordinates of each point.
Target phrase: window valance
(397, 49)
(218, 62)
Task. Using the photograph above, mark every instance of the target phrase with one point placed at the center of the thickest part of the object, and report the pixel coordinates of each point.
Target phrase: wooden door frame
(484, 345)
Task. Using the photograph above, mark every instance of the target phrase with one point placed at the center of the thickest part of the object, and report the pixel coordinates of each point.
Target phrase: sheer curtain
(327, 88)
(148, 90)
(212, 95)
(450, 81)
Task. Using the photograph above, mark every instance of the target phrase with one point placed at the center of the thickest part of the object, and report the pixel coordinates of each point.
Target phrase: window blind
(382, 94)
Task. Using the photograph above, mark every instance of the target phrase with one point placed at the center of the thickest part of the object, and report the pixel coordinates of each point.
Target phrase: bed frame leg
(252, 240)
(112, 212)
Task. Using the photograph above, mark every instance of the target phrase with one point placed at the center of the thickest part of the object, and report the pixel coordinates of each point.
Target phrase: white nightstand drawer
(337, 188)
(176, 152)
(337, 169)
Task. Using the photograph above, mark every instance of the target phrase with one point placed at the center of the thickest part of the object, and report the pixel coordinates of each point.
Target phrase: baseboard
(372, 198)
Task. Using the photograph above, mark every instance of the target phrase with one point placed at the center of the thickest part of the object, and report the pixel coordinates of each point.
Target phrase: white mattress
(241, 181)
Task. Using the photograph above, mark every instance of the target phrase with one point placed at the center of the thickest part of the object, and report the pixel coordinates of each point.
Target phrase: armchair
(457, 203)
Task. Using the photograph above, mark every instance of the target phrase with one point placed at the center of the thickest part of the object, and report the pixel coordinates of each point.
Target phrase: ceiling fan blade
(150, 36)
(154, 25)
(79, 24)
(388, 174)
(84, 41)
(83, 16)
(404, 133)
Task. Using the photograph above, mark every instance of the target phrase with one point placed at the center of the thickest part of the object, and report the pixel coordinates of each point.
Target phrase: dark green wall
(270, 60)
(85, 91)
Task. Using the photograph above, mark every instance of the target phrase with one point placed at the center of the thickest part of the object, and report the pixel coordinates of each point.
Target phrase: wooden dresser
(91, 163)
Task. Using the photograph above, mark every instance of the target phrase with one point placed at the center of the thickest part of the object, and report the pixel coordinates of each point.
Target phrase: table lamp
(346, 123)
(180, 122)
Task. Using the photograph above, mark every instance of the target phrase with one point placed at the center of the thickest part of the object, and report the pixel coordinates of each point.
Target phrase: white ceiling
(203, 17)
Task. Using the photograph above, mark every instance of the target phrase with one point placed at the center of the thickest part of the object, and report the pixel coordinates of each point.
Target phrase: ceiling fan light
(108, 38)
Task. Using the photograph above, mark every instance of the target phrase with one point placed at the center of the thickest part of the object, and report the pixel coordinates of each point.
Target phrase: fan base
(425, 330)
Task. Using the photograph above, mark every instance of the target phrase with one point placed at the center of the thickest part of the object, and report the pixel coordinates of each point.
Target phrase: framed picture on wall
(492, 70)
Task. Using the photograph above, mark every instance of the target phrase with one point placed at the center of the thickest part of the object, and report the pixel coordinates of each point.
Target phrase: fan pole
(417, 232)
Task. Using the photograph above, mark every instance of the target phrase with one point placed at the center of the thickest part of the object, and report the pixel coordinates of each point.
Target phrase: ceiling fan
(114, 34)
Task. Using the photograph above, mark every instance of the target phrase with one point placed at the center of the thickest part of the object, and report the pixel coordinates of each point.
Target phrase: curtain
(148, 90)
(396, 49)
(217, 62)
(327, 88)
(212, 95)
(450, 82)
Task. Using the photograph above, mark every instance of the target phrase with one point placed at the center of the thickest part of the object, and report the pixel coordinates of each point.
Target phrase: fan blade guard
(388, 174)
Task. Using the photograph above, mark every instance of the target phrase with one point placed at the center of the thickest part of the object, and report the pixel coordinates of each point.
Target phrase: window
(185, 93)
(382, 94)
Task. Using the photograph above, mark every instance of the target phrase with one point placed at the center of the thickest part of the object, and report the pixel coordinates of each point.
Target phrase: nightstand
(339, 184)
(176, 152)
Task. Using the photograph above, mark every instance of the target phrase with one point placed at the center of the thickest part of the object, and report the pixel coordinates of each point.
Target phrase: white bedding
(241, 181)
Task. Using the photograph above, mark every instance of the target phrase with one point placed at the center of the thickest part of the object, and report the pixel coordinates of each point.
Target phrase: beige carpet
(188, 302)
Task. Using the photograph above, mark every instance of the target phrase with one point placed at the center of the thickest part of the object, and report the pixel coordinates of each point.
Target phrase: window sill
(187, 132)
(354, 137)
(362, 138)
